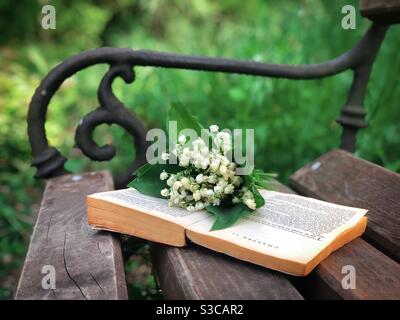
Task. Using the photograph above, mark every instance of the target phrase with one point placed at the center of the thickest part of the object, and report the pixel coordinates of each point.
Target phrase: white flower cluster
(209, 177)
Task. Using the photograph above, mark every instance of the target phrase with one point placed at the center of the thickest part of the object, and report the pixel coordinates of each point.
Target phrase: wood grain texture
(88, 263)
(342, 178)
(387, 11)
(198, 273)
(377, 276)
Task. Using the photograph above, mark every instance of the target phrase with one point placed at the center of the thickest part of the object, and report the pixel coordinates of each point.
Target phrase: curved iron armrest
(49, 162)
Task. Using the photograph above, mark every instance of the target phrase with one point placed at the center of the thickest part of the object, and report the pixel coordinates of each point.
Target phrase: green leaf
(226, 216)
(177, 112)
(262, 179)
(251, 183)
(260, 173)
(148, 179)
(263, 184)
(142, 170)
(248, 181)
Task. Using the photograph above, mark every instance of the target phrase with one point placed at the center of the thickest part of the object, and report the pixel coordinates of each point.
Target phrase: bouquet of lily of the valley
(199, 173)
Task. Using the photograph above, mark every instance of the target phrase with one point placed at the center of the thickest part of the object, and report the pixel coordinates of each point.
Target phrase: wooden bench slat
(88, 264)
(342, 178)
(198, 273)
(377, 277)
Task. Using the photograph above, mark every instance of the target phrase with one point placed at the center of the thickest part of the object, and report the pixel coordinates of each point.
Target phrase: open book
(291, 233)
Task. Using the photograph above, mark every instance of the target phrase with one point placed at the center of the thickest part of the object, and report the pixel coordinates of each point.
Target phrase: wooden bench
(88, 264)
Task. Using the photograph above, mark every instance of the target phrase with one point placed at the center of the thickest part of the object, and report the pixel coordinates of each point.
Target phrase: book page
(151, 205)
(288, 226)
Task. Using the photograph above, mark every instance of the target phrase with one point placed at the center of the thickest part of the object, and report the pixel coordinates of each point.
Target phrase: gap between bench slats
(341, 178)
(88, 264)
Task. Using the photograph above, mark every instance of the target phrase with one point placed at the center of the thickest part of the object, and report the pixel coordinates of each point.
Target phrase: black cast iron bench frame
(179, 269)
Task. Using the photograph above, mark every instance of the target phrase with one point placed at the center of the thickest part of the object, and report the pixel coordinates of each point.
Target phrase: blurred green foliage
(294, 121)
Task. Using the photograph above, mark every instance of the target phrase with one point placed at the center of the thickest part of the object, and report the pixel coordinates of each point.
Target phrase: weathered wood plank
(198, 273)
(88, 263)
(342, 178)
(377, 276)
(385, 11)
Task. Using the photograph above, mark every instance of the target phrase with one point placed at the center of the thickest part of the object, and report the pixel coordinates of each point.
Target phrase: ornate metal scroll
(49, 162)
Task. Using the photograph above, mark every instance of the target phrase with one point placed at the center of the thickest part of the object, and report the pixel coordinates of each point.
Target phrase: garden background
(294, 121)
